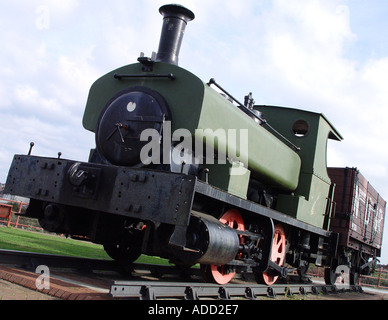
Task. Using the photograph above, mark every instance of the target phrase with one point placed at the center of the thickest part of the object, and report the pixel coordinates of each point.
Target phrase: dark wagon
(359, 215)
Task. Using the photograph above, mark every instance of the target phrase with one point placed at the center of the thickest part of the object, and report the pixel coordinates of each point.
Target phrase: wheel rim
(354, 277)
(278, 253)
(220, 274)
(330, 273)
(127, 248)
(233, 219)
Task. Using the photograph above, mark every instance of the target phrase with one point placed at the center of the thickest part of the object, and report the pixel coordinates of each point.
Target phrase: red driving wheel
(278, 255)
(220, 274)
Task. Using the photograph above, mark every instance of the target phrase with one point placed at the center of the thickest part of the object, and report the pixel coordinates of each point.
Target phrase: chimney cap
(177, 10)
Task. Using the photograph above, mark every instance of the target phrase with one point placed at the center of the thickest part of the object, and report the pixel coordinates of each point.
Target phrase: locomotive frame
(272, 219)
(140, 194)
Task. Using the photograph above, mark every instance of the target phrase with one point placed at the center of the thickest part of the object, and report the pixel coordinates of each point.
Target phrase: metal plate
(139, 193)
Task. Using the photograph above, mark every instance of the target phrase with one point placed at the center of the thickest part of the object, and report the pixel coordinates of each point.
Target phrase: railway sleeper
(196, 291)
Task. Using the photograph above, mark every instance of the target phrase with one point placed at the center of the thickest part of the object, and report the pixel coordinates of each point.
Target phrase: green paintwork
(222, 176)
(309, 201)
(194, 105)
(180, 94)
(269, 159)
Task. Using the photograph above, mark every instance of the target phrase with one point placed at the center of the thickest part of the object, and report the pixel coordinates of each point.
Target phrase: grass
(21, 240)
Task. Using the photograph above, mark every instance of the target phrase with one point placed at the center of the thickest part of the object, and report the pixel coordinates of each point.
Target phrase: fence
(379, 279)
(9, 210)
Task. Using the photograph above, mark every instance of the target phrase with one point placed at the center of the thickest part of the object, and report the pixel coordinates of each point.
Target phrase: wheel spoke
(278, 254)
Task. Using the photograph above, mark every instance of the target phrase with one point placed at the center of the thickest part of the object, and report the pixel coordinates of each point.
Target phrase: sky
(327, 56)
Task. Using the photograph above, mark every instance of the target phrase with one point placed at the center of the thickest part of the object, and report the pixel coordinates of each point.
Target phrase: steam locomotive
(184, 171)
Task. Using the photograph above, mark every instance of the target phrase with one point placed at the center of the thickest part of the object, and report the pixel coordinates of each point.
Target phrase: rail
(153, 290)
(31, 260)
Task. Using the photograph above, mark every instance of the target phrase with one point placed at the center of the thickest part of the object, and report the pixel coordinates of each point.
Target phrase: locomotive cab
(312, 201)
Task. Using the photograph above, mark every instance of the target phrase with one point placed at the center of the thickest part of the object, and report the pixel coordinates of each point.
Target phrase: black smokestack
(175, 18)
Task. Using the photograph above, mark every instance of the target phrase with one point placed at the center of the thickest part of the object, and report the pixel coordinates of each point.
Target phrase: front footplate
(138, 193)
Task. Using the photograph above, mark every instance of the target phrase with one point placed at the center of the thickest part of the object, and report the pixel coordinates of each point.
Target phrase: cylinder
(175, 19)
(216, 243)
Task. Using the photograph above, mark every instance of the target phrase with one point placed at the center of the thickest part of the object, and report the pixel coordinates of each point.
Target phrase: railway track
(187, 287)
(195, 291)
(31, 260)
